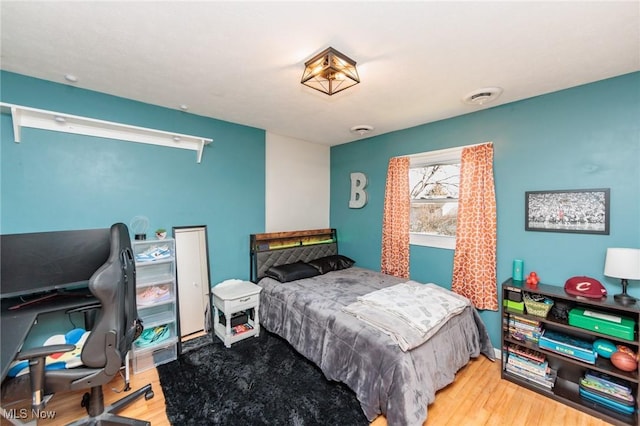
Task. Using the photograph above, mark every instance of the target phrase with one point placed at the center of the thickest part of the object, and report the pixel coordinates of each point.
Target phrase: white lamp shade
(623, 263)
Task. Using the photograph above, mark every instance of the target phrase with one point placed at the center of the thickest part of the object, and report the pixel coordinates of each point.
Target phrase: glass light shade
(330, 72)
(623, 263)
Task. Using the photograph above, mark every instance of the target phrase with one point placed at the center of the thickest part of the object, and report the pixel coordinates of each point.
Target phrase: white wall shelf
(61, 122)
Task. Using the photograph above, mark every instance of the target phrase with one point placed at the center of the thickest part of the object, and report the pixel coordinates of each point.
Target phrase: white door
(193, 278)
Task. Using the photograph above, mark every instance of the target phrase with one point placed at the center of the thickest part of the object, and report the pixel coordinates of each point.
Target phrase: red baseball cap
(586, 287)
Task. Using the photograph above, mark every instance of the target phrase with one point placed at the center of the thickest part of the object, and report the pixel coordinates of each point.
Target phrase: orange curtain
(395, 222)
(474, 261)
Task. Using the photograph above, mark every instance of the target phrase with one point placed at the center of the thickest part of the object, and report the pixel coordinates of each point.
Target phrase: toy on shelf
(533, 279)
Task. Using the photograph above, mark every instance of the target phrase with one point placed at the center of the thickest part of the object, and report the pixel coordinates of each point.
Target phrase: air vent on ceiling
(482, 96)
(362, 129)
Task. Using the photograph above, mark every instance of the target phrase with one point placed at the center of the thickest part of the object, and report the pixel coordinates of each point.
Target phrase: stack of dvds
(530, 365)
(524, 329)
(607, 391)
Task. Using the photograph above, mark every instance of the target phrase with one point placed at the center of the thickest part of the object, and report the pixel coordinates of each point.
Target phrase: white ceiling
(242, 61)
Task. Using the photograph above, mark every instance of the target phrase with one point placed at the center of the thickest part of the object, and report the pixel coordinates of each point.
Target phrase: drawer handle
(246, 299)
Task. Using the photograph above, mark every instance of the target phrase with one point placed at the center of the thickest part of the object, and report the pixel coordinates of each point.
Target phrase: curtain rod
(444, 150)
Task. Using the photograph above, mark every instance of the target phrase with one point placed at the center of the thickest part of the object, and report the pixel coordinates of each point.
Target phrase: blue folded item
(612, 405)
(570, 346)
(153, 335)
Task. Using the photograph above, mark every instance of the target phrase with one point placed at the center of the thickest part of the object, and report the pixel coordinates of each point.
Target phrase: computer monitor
(41, 262)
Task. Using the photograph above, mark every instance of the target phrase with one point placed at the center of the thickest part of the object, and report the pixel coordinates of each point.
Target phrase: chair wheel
(148, 395)
(127, 387)
(85, 401)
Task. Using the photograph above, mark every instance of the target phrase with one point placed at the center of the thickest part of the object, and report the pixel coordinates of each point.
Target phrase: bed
(310, 314)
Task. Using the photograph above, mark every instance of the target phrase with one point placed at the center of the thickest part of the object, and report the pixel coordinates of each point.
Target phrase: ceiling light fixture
(482, 96)
(330, 72)
(71, 78)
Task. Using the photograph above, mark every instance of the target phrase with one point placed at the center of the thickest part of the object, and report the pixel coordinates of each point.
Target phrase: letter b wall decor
(358, 194)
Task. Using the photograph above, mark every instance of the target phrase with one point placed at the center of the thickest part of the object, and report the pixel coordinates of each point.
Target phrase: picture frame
(583, 211)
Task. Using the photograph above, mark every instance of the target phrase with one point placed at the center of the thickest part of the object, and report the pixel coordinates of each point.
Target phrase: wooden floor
(477, 397)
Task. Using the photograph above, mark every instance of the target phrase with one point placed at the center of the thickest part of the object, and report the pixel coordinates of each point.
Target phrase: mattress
(308, 313)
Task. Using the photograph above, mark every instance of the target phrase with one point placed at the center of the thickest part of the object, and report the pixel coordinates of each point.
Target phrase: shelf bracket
(17, 119)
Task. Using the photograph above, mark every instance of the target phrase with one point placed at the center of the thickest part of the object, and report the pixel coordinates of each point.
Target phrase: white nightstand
(239, 297)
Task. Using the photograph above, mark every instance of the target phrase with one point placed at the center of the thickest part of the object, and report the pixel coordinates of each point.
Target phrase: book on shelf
(540, 369)
(547, 382)
(607, 384)
(605, 392)
(241, 328)
(523, 335)
(523, 329)
(531, 354)
(522, 320)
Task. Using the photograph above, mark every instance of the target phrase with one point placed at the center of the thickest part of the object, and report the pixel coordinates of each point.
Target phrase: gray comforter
(308, 313)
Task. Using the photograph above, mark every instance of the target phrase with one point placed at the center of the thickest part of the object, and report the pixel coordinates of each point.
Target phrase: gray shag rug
(258, 381)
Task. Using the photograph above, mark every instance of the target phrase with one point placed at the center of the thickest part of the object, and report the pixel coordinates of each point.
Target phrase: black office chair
(103, 354)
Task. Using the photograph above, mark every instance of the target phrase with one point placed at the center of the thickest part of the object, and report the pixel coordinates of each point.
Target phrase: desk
(15, 324)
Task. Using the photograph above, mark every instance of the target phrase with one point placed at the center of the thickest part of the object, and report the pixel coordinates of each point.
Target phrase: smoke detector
(71, 78)
(361, 129)
(482, 96)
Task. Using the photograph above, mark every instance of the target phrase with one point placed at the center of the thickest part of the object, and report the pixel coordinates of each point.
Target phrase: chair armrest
(91, 307)
(36, 357)
(43, 351)
(89, 312)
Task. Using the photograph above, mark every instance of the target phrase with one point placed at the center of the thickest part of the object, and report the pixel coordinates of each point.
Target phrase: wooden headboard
(279, 248)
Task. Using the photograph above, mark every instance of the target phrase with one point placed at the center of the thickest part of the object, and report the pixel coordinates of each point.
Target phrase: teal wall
(584, 137)
(57, 181)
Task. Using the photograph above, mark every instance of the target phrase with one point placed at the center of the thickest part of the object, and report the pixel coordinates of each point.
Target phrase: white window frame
(442, 156)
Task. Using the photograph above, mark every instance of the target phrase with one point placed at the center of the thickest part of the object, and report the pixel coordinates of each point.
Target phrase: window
(434, 181)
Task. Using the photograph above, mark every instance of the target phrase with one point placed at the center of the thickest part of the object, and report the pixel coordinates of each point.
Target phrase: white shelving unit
(570, 371)
(156, 302)
(61, 122)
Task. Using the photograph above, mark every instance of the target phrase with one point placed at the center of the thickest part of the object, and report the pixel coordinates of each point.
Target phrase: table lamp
(623, 263)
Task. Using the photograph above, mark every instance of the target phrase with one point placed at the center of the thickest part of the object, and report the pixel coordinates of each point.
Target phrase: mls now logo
(25, 413)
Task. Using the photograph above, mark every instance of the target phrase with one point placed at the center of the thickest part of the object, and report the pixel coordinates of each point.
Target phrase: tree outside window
(434, 199)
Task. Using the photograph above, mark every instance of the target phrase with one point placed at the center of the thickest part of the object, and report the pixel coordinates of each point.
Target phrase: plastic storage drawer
(154, 356)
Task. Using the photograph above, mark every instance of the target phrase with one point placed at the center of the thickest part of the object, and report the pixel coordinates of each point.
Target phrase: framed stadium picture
(584, 211)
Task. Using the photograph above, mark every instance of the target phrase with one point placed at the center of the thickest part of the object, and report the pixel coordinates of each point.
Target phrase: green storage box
(611, 325)
(514, 306)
